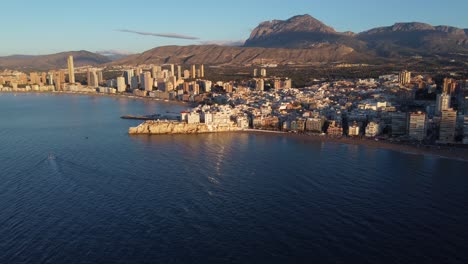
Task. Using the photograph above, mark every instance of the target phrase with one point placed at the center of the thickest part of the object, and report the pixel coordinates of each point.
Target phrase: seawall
(174, 127)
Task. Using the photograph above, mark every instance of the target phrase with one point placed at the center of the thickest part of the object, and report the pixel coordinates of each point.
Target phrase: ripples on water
(245, 198)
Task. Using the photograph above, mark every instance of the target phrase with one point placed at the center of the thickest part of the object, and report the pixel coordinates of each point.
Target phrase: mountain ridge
(301, 39)
(52, 61)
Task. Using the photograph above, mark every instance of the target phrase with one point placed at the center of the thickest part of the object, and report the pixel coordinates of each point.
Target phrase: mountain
(298, 40)
(406, 39)
(52, 61)
(299, 32)
(222, 55)
(401, 39)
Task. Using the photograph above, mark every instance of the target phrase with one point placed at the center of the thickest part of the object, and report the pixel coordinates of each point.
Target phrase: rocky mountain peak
(302, 23)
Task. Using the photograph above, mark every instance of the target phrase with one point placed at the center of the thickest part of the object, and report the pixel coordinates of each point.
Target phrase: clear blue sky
(49, 26)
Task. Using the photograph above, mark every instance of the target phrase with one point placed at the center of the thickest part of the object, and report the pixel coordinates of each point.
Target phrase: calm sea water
(241, 198)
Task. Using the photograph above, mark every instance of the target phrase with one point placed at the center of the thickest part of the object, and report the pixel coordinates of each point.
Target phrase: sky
(44, 27)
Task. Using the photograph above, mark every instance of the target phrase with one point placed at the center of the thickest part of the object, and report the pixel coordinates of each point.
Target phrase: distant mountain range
(306, 40)
(298, 40)
(401, 39)
(53, 61)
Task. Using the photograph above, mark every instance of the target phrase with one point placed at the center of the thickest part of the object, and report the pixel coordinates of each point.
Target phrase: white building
(442, 103)
(193, 118)
(373, 129)
(354, 130)
(121, 85)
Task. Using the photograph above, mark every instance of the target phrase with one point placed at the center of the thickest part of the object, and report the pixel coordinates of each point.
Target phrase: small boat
(51, 156)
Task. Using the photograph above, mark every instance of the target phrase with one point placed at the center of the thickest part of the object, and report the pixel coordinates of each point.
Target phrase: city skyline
(129, 28)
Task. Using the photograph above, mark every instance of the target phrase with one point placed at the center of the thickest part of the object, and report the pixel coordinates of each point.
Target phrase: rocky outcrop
(173, 127)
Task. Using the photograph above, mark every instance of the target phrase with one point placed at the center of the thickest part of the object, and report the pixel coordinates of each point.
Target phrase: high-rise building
(172, 70)
(404, 77)
(417, 126)
(44, 78)
(228, 87)
(277, 84)
(156, 72)
(138, 71)
(71, 70)
(202, 71)
(93, 79)
(34, 78)
(128, 74)
(450, 85)
(186, 74)
(100, 78)
(194, 72)
(179, 72)
(134, 83)
(399, 123)
(448, 122)
(173, 80)
(442, 102)
(146, 81)
(59, 79)
(50, 78)
(121, 85)
(260, 85)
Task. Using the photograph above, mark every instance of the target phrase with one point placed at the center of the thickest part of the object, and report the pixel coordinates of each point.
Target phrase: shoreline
(454, 153)
(126, 96)
(446, 152)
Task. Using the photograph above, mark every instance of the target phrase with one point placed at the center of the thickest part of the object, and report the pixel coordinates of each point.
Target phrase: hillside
(52, 61)
(212, 54)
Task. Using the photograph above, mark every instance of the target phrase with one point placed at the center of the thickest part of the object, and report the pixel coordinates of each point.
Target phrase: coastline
(455, 153)
(447, 152)
(126, 96)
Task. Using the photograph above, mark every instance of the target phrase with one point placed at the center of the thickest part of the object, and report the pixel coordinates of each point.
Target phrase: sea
(76, 188)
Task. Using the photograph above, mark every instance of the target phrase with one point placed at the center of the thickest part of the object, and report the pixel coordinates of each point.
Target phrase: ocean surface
(108, 197)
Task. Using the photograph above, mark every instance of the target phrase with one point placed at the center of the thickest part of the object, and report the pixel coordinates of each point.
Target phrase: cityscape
(404, 107)
(234, 132)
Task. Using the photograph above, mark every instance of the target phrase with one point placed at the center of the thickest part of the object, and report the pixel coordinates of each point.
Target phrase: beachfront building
(354, 130)
(121, 85)
(399, 123)
(334, 129)
(448, 122)
(373, 129)
(315, 124)
(417, 126)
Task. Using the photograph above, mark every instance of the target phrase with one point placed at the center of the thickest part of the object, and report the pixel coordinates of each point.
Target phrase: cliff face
(170, 127)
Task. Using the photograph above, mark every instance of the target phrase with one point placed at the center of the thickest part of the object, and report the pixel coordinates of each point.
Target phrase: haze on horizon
(47, 27)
